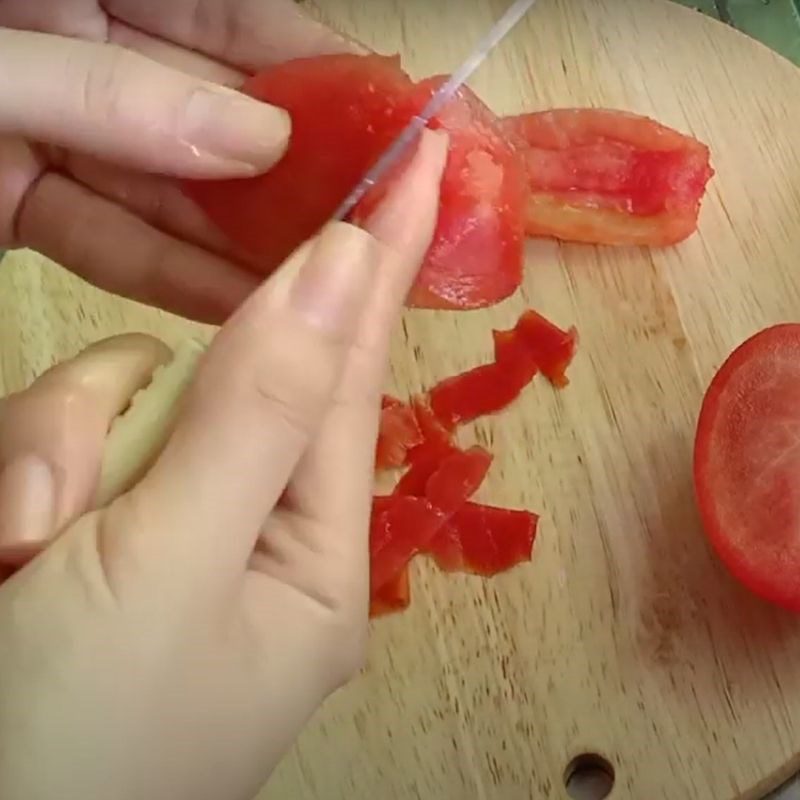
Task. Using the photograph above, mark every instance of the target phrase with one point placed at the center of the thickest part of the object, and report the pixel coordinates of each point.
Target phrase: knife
(440, 98)
(136, 437)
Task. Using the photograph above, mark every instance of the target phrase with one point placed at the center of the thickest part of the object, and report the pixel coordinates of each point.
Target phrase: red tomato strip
(609, 177)
(536, 342)
(399, 432)
(484, 540)
(393, 596)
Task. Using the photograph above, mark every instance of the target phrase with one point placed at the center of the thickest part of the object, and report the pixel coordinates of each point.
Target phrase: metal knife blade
(443, 94)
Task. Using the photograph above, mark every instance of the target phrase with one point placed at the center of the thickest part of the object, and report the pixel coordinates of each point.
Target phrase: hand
(173, 644)
(139, 90)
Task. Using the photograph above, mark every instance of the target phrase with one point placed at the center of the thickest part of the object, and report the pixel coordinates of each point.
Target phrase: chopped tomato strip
(610, 177)
(393, 596)
(458, 477)
(479, 392)
(484, 540)
(537, 342)
(400, 528)
(399, 432)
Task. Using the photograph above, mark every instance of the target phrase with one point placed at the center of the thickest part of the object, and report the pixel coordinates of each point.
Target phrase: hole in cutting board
(589, 777)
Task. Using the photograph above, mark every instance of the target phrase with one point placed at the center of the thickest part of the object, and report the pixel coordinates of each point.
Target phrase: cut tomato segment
(458, 477)
(393, 596)
(747, 462)
(398, 434)
(535, 342)
(400, 528)
(484, 540)
(345, 110)
(602, 176)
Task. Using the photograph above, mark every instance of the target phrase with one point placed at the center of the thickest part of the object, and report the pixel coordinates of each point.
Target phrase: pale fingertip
(235, 134)
(332, 286)
(406, 219)
(27, 508)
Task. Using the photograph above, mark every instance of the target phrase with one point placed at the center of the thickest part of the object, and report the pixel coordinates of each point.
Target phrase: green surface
(776, 23)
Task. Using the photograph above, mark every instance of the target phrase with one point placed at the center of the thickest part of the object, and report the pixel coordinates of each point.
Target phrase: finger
(258, 398)
(153, 198)
(248, 34)
(116, 251)
(52, 436)
(123, 107)
(340, 499)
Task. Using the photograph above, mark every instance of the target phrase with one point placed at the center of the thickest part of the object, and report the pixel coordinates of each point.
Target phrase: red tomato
(399, 432)
(747, 462)
(392, 597)
(536, 343)
(345, 110)
(401, 527)
(484, 540)
(610, 177)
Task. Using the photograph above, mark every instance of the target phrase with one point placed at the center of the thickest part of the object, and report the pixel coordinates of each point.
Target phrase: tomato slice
(484, 540)
(536, 343)
(610, 177)
(400, 528)
(345, 111)
(393, 596)
(398, 434)
(747, 462)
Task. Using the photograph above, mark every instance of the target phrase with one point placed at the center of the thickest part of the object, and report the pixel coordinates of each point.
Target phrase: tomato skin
(746, 464)
(609, 177)
(346, 109)
(398, 434)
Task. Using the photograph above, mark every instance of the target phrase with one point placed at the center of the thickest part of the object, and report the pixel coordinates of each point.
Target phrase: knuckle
(103, 85)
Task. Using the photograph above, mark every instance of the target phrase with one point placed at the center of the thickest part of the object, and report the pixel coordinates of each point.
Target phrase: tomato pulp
(747, 462)
(345, 111)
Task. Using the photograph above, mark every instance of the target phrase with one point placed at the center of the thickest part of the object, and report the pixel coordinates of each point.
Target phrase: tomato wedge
(602, 176)
(484, 540)
(747, 462)
(345, 110)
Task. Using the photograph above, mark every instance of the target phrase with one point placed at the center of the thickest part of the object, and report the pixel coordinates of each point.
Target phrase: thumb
(123, 107)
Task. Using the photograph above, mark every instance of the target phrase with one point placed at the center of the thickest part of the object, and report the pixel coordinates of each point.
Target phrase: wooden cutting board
(623, 638)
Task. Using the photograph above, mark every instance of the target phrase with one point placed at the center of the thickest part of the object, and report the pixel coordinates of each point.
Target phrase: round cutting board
(623, 639)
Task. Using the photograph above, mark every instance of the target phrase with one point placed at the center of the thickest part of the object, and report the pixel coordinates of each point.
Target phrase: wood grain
(623, 637)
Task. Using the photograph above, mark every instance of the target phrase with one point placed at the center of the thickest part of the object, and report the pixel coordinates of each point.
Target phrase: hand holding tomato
(173, 643)
(102, 103)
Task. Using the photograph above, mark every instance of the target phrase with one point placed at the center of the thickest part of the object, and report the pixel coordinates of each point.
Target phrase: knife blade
(441, 96)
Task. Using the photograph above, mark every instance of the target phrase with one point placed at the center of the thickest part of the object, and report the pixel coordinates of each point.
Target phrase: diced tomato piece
(536, 342)
(400, 528)
(458, 477)
(399, 432)
(610, 177)
(747, 462)
(393, 596)
(345, 110)
(481, 391)
(484, 540)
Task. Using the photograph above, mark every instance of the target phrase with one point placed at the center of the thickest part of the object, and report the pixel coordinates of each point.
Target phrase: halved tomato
(747, 462)
(602, 176)
(345, 110)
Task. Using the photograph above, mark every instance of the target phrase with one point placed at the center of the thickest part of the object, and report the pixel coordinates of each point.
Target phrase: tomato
(399, 432)
(535, 343)
(393, 596)
(747, 461)
(484, 540)
(400, 528)
(610, 177)
(345, 110)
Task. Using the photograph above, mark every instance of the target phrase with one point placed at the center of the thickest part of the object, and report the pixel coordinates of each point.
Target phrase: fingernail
(233, 128)
(333, 285)
(27, 508)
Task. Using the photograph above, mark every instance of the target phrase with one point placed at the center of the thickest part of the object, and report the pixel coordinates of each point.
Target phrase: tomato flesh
(602, 176)
(746, 463)
(346, 109)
